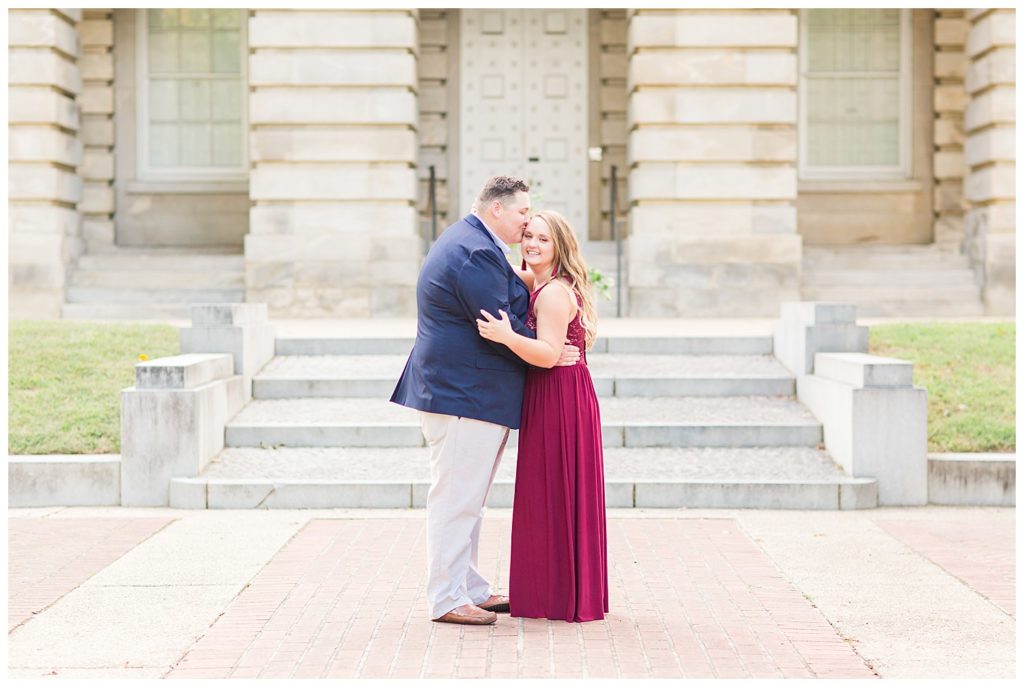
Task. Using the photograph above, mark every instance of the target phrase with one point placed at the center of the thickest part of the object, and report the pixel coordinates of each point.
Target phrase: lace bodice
(576, 335)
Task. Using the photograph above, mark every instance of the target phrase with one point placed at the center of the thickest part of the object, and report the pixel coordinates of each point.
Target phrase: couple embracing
(497, 349)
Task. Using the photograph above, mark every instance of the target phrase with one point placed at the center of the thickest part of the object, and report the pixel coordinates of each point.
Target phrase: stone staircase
(893, 281)
(688, 421)
(144, 283)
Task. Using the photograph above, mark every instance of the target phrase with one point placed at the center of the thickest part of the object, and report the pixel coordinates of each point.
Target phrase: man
(468, 390)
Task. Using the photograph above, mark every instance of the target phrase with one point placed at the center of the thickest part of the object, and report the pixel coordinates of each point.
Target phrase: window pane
(227, 145)
(227, 99)
(226, 53)
(163, 145)
(195, 100)
(227, 19)
(195, 51)
(195, 145)
(195, 18)
(166, 19)
(853, 40)
(853, 122)
(163, 100)
(163, 52)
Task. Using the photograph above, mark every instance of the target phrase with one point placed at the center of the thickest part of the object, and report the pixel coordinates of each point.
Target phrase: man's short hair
(502, 189)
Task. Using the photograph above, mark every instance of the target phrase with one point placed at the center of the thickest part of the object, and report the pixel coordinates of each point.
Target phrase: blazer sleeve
(482, 284)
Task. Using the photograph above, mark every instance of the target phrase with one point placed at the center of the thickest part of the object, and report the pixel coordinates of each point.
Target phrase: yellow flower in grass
(143, 357)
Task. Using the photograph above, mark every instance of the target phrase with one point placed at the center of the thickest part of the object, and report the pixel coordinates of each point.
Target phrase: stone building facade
(754, 151)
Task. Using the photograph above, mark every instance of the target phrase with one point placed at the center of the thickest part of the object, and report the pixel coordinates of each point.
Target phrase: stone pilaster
(990, 154)
(96, 102)
(44, 188)
(950, 99)
(333, 111)
(712, 152)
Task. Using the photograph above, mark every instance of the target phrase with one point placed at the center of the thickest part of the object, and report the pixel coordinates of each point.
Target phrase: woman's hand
(493, 329)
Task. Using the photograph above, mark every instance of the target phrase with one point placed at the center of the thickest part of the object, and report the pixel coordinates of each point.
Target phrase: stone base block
(75, 480)
(168, 433)
(972, 479)
(879, 433)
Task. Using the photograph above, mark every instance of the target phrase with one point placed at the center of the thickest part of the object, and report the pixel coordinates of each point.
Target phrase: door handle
(533, 159)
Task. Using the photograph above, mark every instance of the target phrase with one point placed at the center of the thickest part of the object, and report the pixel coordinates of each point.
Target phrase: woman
(559, 552)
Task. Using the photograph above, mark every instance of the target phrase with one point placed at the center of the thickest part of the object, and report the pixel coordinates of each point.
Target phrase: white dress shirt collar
(501, 244)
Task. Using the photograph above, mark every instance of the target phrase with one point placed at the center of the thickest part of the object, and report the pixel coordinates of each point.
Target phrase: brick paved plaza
(99, 592)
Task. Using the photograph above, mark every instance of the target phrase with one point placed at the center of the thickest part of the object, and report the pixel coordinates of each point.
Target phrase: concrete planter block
(77, 480)
(240, 329)
(972, 479)
(861, 370)
(173, 432)
(876, 432)
(807, 328)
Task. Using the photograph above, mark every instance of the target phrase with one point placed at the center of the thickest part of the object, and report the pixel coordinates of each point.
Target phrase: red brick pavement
(978, 554)
(689, 598)
(49, 557)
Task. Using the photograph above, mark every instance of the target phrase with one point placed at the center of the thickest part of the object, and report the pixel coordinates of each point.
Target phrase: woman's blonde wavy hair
(569, 264)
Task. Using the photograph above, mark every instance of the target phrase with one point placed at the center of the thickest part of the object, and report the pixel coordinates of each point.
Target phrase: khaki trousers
(464, 457)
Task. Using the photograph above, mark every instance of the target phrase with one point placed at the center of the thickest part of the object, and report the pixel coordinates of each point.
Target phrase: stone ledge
(63, 480)
(972, 479)
(862, 370)
(186, 371)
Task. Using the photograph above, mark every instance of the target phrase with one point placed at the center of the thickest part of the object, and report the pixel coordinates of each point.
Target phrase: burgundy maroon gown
(559, 567)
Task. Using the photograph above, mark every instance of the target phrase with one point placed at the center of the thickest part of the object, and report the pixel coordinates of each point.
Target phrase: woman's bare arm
(554, 309)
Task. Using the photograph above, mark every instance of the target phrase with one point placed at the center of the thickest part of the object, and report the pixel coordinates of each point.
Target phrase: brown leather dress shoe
(468, 614)
(496, 603)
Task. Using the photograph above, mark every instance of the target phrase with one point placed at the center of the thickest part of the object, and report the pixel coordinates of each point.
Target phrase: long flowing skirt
(559, 565)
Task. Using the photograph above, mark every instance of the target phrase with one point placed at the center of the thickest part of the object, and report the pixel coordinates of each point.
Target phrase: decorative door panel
(523, 100)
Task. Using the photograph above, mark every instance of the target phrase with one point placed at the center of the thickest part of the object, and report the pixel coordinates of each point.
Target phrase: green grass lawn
(969, 372)
(64, 391)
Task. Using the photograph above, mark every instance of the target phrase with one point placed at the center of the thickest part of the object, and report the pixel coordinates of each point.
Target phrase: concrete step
(83, 294)
(665, 345)
(162, 260)
(738, 421)
(614, 374)
(125, 311)
(799, 478)
(158, 279)
(929, 278)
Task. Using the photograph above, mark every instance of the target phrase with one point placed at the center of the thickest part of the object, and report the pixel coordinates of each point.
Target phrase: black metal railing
(432, 201)
(616, 237)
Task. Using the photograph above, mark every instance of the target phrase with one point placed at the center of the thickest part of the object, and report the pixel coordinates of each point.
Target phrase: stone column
(333, 111)
(96, 34)
(712, 152)
(43, 185)
(990, 154)
(949, 102)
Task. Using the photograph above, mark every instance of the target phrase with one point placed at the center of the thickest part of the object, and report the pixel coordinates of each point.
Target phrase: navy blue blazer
(453, 370)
